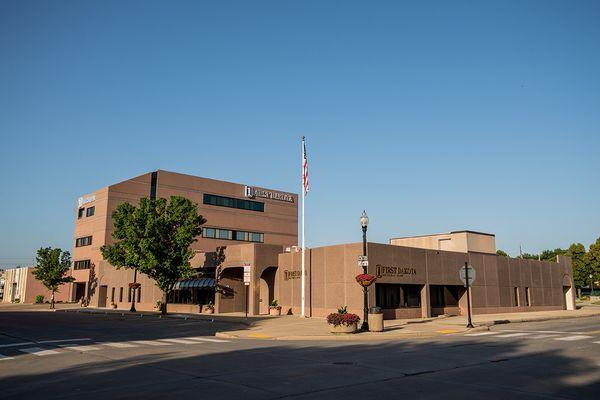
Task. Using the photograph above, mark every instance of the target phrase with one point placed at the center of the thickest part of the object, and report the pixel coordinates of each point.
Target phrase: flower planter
(207, 310)
(344, 328)
(274, 311)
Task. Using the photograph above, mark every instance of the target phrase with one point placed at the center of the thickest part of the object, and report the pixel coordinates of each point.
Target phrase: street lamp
(132, 290)
(364, 221)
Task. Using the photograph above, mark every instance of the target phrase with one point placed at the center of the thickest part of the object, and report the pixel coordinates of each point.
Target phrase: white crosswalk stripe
(79, 348)
(514, 335)
(118, 345)
(573, 338)
(151, 342)
(205, 339)
(179, 341)
(596, 342)
(546, 336)
(38, 351)
(482, 333)
(3, 357)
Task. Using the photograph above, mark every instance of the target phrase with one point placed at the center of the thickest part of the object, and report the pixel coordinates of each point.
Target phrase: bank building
(258, 227)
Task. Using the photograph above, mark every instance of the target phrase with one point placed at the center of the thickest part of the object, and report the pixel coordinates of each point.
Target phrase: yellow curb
(447, 331)
(260, 336)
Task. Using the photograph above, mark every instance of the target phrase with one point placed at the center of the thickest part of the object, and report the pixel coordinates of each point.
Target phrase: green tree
(155, 238)
(502, 253)
(594, 261)
(51, 268)
(550, 255)
(528, 256)
(579, 257)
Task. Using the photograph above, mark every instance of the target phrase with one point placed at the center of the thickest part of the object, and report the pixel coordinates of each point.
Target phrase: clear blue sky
(434, 116)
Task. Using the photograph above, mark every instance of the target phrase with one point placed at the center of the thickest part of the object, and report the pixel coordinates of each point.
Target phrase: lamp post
(364, 221)
(591, 284)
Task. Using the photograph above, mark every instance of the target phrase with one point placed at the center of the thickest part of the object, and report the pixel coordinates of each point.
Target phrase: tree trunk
(163, 308)
(52, 300)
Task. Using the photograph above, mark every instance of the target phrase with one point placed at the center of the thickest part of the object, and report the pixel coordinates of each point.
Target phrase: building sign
(287, 275)
(384, 270)
(85, 199)
(252, 192)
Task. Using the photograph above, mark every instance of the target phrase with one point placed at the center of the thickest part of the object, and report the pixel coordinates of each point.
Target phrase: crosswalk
(53, 347)
(534, 335)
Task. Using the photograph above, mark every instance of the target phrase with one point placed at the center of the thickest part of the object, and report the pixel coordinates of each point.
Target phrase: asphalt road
(68, 355)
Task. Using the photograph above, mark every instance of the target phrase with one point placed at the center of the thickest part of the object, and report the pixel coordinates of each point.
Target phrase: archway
(266, 289)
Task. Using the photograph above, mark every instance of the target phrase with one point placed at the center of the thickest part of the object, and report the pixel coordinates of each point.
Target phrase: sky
(432, 116)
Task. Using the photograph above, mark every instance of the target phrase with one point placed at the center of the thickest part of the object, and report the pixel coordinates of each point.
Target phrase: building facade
(236, 214)
(20, 286)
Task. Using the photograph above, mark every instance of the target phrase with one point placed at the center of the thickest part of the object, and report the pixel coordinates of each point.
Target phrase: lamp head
(364, 219)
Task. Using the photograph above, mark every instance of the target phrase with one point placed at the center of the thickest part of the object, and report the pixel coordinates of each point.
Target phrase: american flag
(305, 184)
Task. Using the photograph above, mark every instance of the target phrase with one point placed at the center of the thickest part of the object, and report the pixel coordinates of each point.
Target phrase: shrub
(39, 299)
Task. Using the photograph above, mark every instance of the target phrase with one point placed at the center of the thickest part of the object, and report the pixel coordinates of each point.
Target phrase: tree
(579, 257)
(550, 255)
(593, 259)
(502, 253)
(51, 268)
(155, 238)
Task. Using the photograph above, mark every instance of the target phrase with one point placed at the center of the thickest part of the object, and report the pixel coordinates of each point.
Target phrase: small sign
(363, 258)
(463, 275)
(247, 274)
(363, 263)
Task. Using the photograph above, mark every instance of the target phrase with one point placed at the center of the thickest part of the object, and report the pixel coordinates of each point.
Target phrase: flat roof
(448, 233)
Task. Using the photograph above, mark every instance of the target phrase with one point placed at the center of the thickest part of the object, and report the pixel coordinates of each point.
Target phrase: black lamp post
(591, 284)
(364, 221)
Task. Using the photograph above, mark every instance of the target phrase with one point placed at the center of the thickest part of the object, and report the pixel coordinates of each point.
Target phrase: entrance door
(266, 289)
(102, 295)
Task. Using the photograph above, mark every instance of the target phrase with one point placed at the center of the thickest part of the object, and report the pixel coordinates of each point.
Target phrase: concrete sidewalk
(295, 328)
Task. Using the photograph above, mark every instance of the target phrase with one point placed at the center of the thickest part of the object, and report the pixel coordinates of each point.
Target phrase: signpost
(363, 261)
(246, 283)
(467, 275)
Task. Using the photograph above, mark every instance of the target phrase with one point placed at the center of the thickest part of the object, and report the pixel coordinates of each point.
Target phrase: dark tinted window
(80, 212)
(82, 264)
(90, 211)
(230, 202)
(83, 241)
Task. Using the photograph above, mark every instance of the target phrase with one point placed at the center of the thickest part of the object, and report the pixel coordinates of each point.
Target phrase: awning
(198, 283)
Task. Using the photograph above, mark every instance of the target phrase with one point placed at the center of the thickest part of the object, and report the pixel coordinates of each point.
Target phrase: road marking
(596, 342)
(568, 333)
(151, 342)
(79, 348)
(3, 357)
(572, 338)
(119, 345)
(63, 340)
(203, 339)
(542, 336)
(514, 334)
(482, 333)
(16, 344)
(38, 351)
(181, 341)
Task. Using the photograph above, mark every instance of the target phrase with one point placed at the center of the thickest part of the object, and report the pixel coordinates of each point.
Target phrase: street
(93, 356)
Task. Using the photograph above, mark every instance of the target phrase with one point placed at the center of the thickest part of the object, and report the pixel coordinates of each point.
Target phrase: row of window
(83, 241)
(231, 202)
(88, 212)
(129, 297)
(82, 264)
(229, 234)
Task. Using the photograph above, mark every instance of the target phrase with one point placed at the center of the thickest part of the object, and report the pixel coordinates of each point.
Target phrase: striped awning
(198, 283)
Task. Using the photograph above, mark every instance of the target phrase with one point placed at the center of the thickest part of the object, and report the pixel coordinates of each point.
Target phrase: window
(225, 234)
(139, 294)
(256, 237)
(516, 297)
(437, 296)
(80, 213)
(239, 235)
(82, 264)
(83, 241)
(230, 202)
(90, 211)
(398, 296)
(527, 297)
(112, 295)
(120, 295)
(208, 233)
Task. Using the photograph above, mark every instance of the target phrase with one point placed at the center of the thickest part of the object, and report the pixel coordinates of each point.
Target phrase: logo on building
(84, 200)
(252, 192)
(384, 270)
(287, 275)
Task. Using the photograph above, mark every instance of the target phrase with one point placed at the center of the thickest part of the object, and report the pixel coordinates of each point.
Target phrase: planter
(274, 311)
(344, 328)
(206, 310)
(365, 283)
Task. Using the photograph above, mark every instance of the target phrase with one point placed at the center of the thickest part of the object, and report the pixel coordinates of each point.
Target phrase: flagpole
(303, 260)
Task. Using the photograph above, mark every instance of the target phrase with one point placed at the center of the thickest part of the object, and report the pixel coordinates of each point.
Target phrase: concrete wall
(461, 241)
(27, 287)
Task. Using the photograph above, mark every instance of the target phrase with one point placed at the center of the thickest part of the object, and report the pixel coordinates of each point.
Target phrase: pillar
(425, 302)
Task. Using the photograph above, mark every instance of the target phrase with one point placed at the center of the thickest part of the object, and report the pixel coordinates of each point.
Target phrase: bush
(39, 299)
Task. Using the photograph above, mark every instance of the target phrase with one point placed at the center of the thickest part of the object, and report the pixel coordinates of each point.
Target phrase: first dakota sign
(384, 270)
(252, 192)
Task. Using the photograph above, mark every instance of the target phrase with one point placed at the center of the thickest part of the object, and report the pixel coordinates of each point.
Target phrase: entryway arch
(266, 289)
